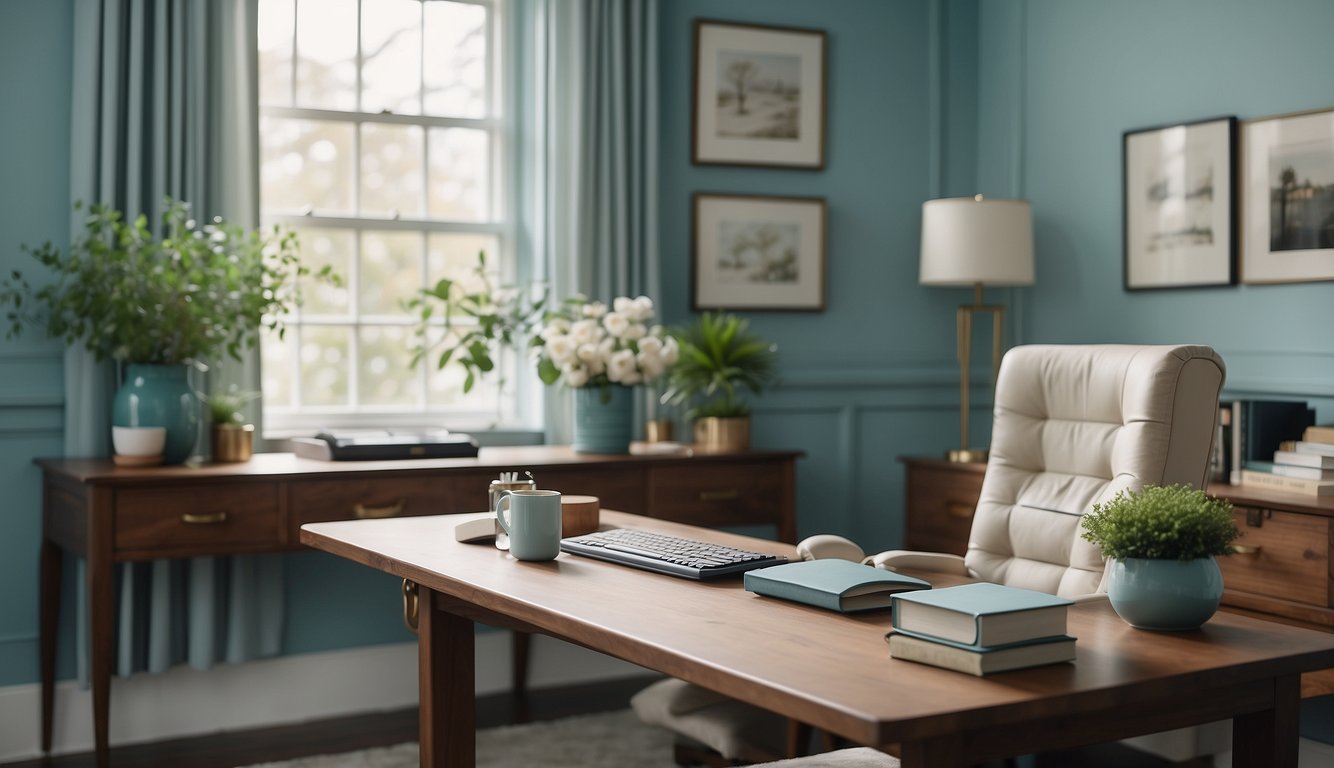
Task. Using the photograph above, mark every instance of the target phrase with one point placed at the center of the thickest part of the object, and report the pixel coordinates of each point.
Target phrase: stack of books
(1304, 466)
(980, 628)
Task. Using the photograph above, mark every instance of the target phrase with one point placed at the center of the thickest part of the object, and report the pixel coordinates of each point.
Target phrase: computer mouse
(483, 529)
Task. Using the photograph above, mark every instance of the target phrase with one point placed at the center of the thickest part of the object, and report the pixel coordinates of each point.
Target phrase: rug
(605, 740)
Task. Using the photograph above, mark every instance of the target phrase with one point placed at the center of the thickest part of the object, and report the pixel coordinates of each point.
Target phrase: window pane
(391, 169)
(459, 190)
(386, 376)
(306, 164)
(391, 56)
(276, 18)
(276, 363)
(326, 48)
(390, 271)
(325, 356)
(455, 256)
(333, 248)
(455, 60)
(445, 385)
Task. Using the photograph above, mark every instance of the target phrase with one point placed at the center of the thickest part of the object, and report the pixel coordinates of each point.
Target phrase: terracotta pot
(233, 442)
(719, 435)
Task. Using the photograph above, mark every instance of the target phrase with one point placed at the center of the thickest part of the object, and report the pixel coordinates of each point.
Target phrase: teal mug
(533, 523)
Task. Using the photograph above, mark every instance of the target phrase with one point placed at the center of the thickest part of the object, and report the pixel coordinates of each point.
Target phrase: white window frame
(508, 412)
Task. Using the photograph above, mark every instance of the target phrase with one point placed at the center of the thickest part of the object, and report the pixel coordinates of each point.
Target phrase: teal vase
(1165, 594)
(603, 426)
(160, 396)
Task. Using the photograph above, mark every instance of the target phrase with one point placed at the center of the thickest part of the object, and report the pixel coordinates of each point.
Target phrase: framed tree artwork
(759, 96)
(753, 252)
(1288, 198)
(1179, 205)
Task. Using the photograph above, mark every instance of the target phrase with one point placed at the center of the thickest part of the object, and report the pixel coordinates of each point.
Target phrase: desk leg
(447, 700)
(51, 558)
(101, 591)
(1268, 738)
(932, 753)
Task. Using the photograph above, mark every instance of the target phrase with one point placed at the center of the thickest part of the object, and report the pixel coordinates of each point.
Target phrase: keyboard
(668, 554)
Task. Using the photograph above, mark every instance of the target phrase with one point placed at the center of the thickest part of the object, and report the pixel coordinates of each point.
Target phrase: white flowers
(586, 344)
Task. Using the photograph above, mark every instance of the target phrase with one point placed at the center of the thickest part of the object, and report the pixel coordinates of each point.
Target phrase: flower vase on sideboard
(155, 395)
(603, 419)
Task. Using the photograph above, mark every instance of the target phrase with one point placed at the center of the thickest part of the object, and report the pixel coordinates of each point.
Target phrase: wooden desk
(830, 670)
(110, 514)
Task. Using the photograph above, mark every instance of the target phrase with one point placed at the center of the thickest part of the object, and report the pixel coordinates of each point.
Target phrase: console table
(109, 514)
(1282, 573)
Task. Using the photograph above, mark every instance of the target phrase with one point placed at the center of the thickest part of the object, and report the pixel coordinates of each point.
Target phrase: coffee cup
(533, 523)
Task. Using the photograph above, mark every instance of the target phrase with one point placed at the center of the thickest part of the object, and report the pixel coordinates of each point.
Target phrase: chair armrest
(1092, 597)
(895, 559)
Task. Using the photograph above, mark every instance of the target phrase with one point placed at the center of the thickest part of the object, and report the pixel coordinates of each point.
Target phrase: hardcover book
(1291, 470)
(838, 585)
(1304, 459)
(1274, 482)
(981, 614)
(1318, 434)
(981, 661)
(1307, 446)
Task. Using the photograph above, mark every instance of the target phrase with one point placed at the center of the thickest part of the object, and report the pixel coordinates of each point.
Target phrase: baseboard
(291, 689)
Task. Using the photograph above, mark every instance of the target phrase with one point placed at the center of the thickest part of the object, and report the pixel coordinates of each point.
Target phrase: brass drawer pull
(204, 519)
(1242, 549)
(364, 512)
(723, 495)
(410, 605)
(959, 510)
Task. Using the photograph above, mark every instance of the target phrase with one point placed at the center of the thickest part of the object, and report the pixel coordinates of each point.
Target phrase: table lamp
(976, 241)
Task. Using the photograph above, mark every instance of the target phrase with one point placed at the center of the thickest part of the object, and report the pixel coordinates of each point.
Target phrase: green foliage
(196, 293)
(475, 323)
(225, 407)
(720, 360)
(1174, 522)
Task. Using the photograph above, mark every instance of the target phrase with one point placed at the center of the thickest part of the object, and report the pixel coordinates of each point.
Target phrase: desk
(109, 514)
(830, 670)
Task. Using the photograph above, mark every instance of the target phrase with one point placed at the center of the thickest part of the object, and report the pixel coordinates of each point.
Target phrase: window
(382, 146)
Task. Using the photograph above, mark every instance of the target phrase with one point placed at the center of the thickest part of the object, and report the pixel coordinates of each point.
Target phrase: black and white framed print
(1180, 208)
(754, 252)
(759, 96)
(1288, 198)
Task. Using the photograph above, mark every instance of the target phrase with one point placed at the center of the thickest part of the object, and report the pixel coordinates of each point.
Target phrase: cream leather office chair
(1074, 425)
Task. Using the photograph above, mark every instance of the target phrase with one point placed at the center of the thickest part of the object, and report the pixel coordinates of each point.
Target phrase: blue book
(838, 585)
(981, 614)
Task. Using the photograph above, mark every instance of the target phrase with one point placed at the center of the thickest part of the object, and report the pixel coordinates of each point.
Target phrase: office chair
(1073, 426)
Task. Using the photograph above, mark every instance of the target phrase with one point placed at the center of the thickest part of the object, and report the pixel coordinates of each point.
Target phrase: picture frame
(1179, 205)
(759, 95)
(1288, 198)
(753, 252)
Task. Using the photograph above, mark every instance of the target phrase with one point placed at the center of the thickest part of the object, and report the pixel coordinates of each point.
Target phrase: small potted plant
(720, 361)
(1163, 541)
(233, 439)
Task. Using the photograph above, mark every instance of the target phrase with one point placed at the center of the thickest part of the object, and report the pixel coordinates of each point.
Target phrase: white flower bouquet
(585, 344)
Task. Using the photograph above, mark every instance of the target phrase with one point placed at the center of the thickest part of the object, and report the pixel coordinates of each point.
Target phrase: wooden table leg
(520, 648)
(1269, 738)
(51, 559)
(446, 685)
(100, 585)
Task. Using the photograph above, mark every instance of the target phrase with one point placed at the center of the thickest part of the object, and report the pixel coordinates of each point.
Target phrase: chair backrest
(1075, 425)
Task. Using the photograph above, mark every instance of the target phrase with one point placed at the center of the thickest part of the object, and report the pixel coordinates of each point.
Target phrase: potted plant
(720, 361)
(1162, 541)
(232, 438)
(154, 303)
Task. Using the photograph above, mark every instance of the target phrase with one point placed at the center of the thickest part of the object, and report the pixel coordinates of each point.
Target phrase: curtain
(164, 104)
(596, 100)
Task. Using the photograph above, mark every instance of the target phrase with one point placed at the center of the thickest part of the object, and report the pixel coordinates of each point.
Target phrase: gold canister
(233, 442)
(658, 431)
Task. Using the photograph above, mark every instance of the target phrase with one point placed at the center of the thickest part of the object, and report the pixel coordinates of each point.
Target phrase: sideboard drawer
(198, 519)
(739, 493)
(313, 501)
(1293, 558)
(941, 502)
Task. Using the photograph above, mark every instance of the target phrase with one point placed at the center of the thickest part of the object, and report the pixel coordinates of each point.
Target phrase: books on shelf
(1259, 426)
(1276, 482)
(1296, 458)
(1318, 434)
(1291, 470)
(838, 585)
(1306, 446)
(981, 660)
(981, 614)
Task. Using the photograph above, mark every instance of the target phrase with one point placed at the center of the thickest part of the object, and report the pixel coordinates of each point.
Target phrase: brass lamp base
(968, 456)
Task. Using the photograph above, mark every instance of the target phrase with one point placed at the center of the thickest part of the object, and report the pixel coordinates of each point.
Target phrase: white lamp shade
(969, 240)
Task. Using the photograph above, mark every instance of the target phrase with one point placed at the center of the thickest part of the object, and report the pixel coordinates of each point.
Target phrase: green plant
(195, 293)
(719, 360)
(1174, 522)
(225, 407)
(490, 316)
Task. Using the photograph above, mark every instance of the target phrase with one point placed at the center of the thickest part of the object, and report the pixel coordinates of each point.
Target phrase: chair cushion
(735, 730)
(856, 757)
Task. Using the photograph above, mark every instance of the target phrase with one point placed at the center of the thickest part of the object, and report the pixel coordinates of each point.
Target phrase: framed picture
(1180, 207)
(1288, 198)
(759, 95)
(754, 252)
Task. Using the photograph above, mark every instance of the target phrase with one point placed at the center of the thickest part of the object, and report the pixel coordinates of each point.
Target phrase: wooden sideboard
(1286, 573)
(108, 514)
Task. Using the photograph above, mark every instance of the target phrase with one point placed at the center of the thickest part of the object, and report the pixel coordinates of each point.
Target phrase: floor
(229, 749)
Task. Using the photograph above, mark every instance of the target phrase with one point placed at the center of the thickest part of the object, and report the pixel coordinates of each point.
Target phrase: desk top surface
(829, 669)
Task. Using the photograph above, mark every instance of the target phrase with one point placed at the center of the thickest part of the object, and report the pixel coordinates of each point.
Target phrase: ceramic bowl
(138, 441)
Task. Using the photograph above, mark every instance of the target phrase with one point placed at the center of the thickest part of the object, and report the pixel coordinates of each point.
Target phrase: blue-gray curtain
(596, 131)
(164, 104)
